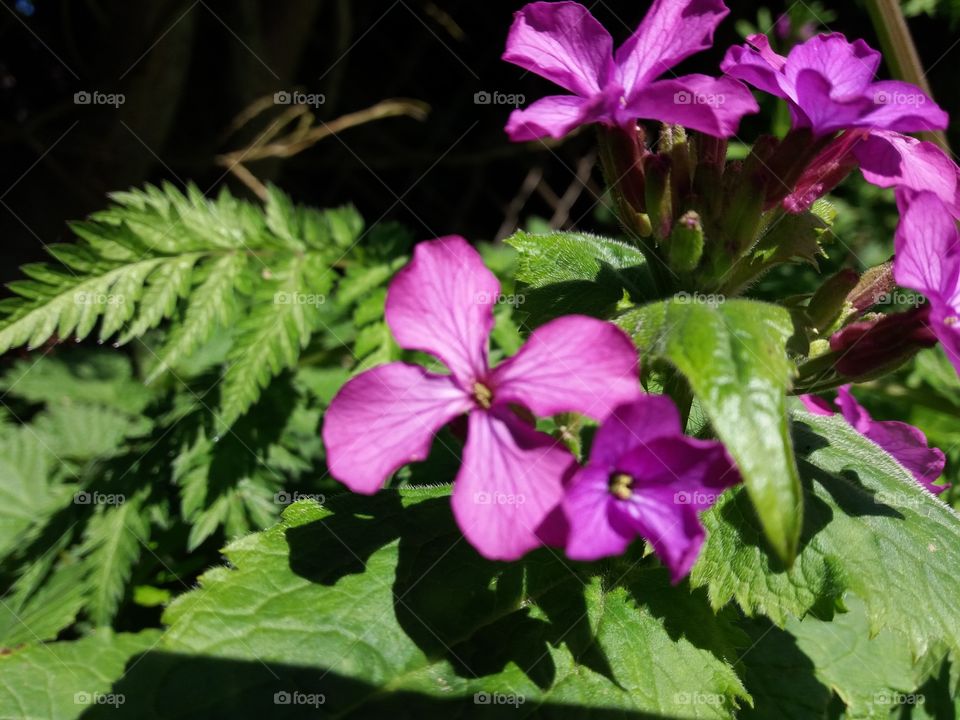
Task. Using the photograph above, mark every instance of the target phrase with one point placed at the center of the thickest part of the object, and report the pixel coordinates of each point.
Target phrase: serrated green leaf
(566, 273)
(734, 356)
(870, 529)
(33, 615)
(427, 623)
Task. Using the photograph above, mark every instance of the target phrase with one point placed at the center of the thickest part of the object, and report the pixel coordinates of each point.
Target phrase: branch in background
(900, 52)
(304, 135)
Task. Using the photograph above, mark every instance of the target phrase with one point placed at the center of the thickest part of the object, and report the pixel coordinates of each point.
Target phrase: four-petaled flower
(565, 44)
(645, 478)
(512, 476)
(928, 260)
(905, 443)
(828, 83)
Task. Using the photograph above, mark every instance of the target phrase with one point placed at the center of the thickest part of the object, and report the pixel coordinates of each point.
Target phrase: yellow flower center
(621, 486)
(483, 395)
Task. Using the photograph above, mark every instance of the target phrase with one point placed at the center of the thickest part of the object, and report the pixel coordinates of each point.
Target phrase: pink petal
(849, 67)
(905, 443)
(711, 105)
(442, 303)
(928, 249)
(632, 425)
(889, 159)
(555, 116)
(904, 107)
(383, 419)
(587, 506)
(571, 364)
(820, 109)
(562, 42)
(817, 406)
(671, 31)
(510, 482)
(756, 63)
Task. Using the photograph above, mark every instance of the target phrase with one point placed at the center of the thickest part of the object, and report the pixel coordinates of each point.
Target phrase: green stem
(900, 52)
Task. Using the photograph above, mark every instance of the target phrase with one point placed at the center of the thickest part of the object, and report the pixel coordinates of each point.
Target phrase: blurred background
(191, 73)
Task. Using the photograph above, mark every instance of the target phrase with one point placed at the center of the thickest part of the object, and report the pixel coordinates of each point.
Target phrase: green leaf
(378, 604)
(734, 356)
(32, 615)
(112, 542)
(870, 529)
(64, 680)
(566, 273)
(80, 431)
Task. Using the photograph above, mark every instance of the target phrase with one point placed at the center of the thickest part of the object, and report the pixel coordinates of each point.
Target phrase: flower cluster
(697, 218)
(514, 491)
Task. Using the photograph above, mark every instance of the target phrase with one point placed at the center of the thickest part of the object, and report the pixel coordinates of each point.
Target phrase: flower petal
(817, 405)
(928, 250)
(757, 64)
(633, 425)
(907, 444)
(711, 105)
(510, 482)
(587, 506)
(889, 159)
(442, 303)
(849, 67)
(671, 31)
(819, 109)
(555, 116)
(562, 42)
(385, 418)
(571, 364)
(904, 107)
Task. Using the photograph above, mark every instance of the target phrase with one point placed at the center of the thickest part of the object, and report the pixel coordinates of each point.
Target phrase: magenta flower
(886, 159)
(928, 261)
(905, 443)
(645, 479)
(565, 44)
(828, 83)
(512, 476)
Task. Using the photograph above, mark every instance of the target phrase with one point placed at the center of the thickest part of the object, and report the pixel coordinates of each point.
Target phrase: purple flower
(829, 86)
(928, 261)
(512, 476)
(645, 479)
(905, 443)
(565, 44)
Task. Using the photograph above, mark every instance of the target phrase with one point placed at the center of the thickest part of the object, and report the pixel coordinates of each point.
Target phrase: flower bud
(686, 243)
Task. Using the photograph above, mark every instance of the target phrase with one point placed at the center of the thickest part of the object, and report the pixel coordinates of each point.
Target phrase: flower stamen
(483, 395)
(621, 486)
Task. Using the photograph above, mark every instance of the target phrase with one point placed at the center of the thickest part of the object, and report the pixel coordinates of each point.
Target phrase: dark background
(188, 68)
